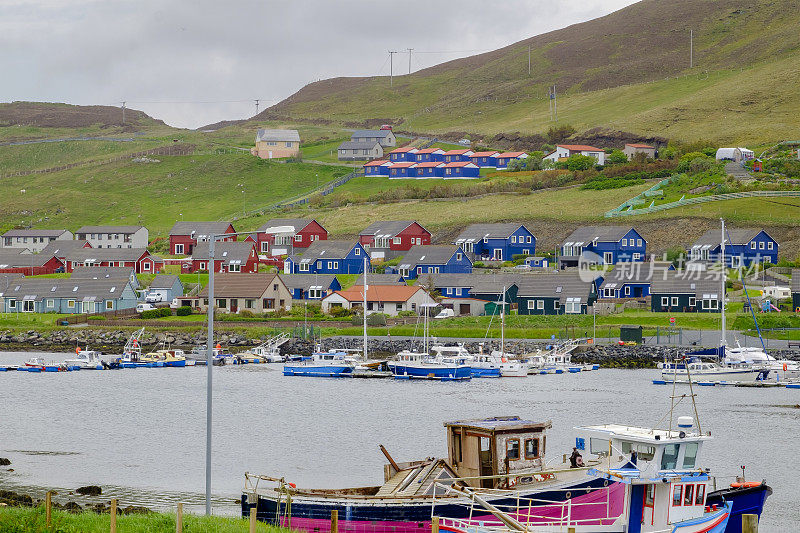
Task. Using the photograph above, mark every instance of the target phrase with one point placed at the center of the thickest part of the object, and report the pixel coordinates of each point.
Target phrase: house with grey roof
(686, 291)
(139, 259)
(500, 242)
(605, 245)
(486, 287)
(63, 295)
(436, 259)
(287, 236)
(310, 286)
(33, 240)
(114, 236)
(359, 151)
(61, 249)
(380, 279)
(743, 247)
(121, 273)
(230, 256)
(166, 286)
(185, 235)
(554, 293)
(329, 257)
(16, 260)
(276, 144)
(387, 239)
(384, 137)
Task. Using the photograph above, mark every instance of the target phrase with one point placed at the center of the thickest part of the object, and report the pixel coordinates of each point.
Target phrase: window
(669, 458)
(298, 238)
(674, 301)
(288, 144)
(638, 242)
(274, 286)
(769, 245)
(531, 448)
(264, 246)
(529, 239)
(357, 251)
(202, 266)
(692, 301)
(624, 242)
(627, 290)
(71, 304)
(248, 304)
(303, 267)
(531, 304)
(269, 303)
(539, 304)
(637, 256)
(419, 270)
(458, 256)
(336, 265)
(315, 293)
(753, 245)
(109, 305)
(688, 495)
(397, 240)
(677, 492)
(179, 249)
(330, 265)
(28, 306)
(761, 245)
(146, 265)
(512, 449)
(513, 239)
(12, 303)
(556, 305)
(689, 455)
(221, 302)
(700, 494)
(235, 268)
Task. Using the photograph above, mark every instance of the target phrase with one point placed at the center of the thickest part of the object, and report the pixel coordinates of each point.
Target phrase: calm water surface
(140, 433)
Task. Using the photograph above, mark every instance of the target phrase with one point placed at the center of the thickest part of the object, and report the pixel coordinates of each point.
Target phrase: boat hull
(485, 372)
(319, 371)
(743, 500)
(443, 373)
(745, 375)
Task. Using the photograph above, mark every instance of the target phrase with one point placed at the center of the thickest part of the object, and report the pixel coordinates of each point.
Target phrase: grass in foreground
(30, 520)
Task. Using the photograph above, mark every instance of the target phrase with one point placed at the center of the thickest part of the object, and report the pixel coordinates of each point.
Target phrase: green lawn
(41, 156)
(33, 520)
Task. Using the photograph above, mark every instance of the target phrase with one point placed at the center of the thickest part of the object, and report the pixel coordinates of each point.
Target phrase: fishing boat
(85, 360)
(45, 366)
(132, 351)
(321, 364)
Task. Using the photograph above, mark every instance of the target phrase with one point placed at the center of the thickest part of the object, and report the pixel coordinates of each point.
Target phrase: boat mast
(503, 325)
(723, 342)
(365, 308)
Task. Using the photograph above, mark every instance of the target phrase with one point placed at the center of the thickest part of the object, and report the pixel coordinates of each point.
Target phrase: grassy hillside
(628, 70)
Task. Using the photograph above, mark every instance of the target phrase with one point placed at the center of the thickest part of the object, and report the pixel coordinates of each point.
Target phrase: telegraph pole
(256, 106)
(123, 111)
(391, 68)
(691, 48)
(409, 59)
(529, 60)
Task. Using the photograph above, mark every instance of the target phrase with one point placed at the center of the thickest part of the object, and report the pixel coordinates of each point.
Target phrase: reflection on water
(140, 433)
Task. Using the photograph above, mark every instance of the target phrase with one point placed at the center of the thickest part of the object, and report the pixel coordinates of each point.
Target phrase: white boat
(85, 360)
(321, 364)
(779, 369)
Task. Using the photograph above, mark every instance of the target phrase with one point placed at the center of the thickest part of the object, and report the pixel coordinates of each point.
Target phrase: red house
(61, 249)
(287, 236)
(139, 259)
(234, 256)
(184, 236)
(12, 261)
(390, 238)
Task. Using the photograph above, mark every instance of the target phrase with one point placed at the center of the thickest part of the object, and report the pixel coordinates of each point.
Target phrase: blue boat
(415, 365)
(321, 364)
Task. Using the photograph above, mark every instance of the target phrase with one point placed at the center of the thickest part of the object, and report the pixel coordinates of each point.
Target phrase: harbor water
(140, 433)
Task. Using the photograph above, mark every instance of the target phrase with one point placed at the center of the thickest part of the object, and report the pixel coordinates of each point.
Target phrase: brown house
(631, 149)
(257, 293)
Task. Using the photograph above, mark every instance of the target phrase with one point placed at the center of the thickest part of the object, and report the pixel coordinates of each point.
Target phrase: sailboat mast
(723, 342)
(503, 324)
(365, 308)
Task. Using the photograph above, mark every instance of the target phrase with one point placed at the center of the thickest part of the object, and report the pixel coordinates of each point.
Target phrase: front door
(498, 254)
(234, 305)
(487, 458)
(648, 507)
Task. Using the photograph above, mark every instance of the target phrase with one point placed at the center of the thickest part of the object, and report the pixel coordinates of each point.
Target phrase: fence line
(618, 212)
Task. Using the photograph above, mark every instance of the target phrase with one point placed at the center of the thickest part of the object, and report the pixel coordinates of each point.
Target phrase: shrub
(519, 257)
(151, 314)
(557, 134)
(340, 312)
(96, 317)
(617, 157)
(478, 264)
(581, 162)
(373, 319)
(246, 313)
(164, 311)
(184, 310)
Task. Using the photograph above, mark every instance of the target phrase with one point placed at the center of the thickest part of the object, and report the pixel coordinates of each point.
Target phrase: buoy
(77, 349)
(219, 346)
(293, 485)
(784, 367)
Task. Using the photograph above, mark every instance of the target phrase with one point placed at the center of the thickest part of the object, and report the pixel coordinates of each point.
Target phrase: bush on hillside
(184, 310)
(581, 162)
(340, 312)
(557, 134)
(616, 157)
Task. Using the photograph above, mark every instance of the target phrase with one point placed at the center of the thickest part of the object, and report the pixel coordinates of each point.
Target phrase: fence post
(113, 515)
(252, 520)
(749, 523)
(48, 507)
(179, 518)
(335, 521)
(435, 525)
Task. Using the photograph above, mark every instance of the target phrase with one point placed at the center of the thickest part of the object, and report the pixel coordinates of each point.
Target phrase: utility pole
(529, 60)
(691, 48)
(391, 68)
(553, 104)
(256, 106)
(123, 111)
(409, 59)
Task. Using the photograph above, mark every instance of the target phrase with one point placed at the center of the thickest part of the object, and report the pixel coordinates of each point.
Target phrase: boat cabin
(495, 449)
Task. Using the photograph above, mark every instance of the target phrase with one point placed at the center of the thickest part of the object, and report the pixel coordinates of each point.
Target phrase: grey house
(33, 240)
(554, 293)
(115, 273)
(114, 236)
(383, 137)
(49, 295)
(168, 286)
(685, 292)
(359, 151)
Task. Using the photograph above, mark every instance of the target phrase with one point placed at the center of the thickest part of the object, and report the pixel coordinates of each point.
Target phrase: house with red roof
(631, 149)
(379, 167)
(388, 299)
(461, 169)
(485, 159)
(564, 151)
(403, 169)
(505, 157)
(425, 155)
(403, 154)
(429, 169)
(463, 154)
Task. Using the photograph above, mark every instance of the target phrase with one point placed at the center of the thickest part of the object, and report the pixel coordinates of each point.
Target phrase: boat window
(512, 449)
(644, 452)
(598, 446)
(670, 457)
(700, 494)
(531, 448)
(688, 495)
(677, 491)
(689, 454)
(650, 495)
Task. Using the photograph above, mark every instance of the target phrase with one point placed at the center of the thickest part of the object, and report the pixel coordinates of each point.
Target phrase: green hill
(628, 70)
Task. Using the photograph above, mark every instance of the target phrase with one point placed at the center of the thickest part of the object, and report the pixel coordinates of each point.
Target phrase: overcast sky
(194, 63)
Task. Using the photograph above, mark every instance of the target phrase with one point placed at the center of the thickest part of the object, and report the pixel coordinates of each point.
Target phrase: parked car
(446, 313)
(141, 308)
(464, 142)
(174, 304)
(386, 127)
(154, 298)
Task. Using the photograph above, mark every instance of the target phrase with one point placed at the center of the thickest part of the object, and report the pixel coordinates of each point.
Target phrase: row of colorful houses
(485, 159)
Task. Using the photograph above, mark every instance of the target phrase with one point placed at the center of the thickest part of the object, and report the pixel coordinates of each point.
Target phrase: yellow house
(274, 144)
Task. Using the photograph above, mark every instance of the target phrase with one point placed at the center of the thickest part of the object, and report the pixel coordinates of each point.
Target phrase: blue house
(404, 154)
(403, 170)
(606, 245)
(537, 262)
(505, 157)
(743, 247)
(432, 169)
(310, 286)
(425, 155)
(379, 167)
(486, 287)
(328, 257)
(455, 156)
(64, 295)
(419, 260)
(496, 241)
(461, 169)
(485, 159)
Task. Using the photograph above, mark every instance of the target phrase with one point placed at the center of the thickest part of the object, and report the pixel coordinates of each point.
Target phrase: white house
(564, 151)
(34, 240)
(114, 236)
(388, 299)
(735, 154)
(777, 292)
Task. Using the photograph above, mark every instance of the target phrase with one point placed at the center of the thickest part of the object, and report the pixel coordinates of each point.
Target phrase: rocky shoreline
(110, 342)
